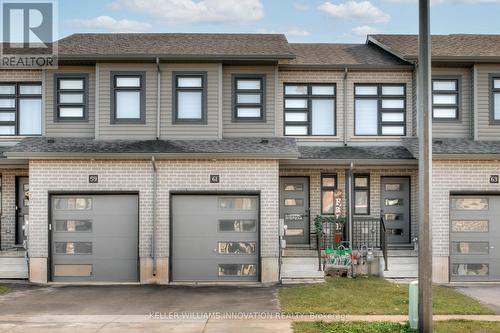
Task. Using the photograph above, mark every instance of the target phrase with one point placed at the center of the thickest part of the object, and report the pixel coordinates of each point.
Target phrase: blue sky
(300, 20)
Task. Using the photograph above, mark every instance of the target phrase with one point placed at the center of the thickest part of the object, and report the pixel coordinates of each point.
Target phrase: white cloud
(191, 11)
(107, 23)
(300, 7)
(360, 10)
(365, 30)
(296, 32)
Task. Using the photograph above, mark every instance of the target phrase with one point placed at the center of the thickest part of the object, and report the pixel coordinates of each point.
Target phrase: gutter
(345, 105)
(153, 236)
(181, 57)
(347, 162)
(158, 97)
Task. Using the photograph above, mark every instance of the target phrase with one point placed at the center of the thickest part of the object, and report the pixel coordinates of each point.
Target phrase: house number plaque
(494, 179)
(214, 179)
(93, 179)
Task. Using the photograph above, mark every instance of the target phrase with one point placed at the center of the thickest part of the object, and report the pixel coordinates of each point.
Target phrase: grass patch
(372, 295)
(3, 290)
(452, 326)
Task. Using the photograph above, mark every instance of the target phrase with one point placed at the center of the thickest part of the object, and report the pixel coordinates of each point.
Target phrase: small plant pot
(339, 235)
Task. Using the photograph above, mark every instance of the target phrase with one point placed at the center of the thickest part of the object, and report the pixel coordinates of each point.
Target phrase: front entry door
(22, 208)
(294, 208)
(395, 196)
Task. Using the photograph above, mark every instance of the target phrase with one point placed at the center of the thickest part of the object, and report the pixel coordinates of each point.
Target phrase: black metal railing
(366, 232)
(383, 241)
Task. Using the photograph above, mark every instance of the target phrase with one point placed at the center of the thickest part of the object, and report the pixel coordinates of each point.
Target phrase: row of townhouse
(160, 158)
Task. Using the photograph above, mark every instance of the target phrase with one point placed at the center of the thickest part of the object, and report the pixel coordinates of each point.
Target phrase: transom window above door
(380, 109)
(445, 99)
(310, 109)
(249, 97)
(21, 109)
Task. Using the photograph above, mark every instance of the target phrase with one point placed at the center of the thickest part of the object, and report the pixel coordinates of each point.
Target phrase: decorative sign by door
(338, 203)
(214, 179)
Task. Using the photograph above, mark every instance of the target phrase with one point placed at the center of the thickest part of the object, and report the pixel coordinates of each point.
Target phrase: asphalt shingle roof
(273, 147)
(347, 153)
(455, 147)
(185, 45)
(341, 54)
(443, 46)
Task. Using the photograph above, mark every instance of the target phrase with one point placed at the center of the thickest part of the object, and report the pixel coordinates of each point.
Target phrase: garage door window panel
(310, 109)
(237, 270)
(465, 247)
(237, 225)
(73, 226)
(470, 203)
(73, 203)
(470, 269)
(239, 203)
(72, 248)
(231, 247)
(469, 226)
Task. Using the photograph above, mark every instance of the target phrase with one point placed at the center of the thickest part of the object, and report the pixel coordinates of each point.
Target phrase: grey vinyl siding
(247, 128)
(486, 130)
(139, 131)
(461, 128)
(67, 128)
(208, 130)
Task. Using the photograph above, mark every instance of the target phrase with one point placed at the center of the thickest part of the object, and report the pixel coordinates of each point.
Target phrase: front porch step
(302, 281)
(400, 267)
(13, 265)
(300, 268)
(300, 253)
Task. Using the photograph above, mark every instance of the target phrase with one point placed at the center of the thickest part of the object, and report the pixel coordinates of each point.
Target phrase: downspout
(158, 97)
(349, 199)
(153, 237)
(345, 105)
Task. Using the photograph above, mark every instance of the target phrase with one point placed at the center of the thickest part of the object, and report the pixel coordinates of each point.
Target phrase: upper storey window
(310, 109)
(495, 99)
(190, 91)
(128, 97)
(445, 99)
(248, 98)
(71, 97)
(20, 109)
(380, 109)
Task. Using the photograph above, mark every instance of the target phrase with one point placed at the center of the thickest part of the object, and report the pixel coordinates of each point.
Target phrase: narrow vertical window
(190, 97)
(248, 97)
(21, 109)
(328, 187)
(361, 194)
(445, 99)
(128, 97)
(71, 97)
(495, 99)
(310, 109)
(380, 109)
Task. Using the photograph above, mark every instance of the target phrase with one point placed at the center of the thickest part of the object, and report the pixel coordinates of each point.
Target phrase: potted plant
(336, 223)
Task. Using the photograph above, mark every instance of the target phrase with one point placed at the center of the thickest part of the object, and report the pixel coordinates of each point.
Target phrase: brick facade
(8, 217)
(137, 176)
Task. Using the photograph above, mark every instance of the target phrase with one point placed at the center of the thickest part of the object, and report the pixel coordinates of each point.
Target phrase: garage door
(215, 238)
(475, 238)
(94, 237)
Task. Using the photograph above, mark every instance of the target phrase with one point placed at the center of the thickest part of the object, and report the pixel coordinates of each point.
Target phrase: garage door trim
(171, 224)
(51, 230)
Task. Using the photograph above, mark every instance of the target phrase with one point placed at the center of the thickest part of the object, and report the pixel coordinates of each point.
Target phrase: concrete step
(12, 253)
(401, 267)
(302, 281)
(304, 253)
(13, 267)
(300, 268)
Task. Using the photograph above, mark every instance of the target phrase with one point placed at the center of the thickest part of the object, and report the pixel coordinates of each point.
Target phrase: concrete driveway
(488, 294)
(133, 308)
